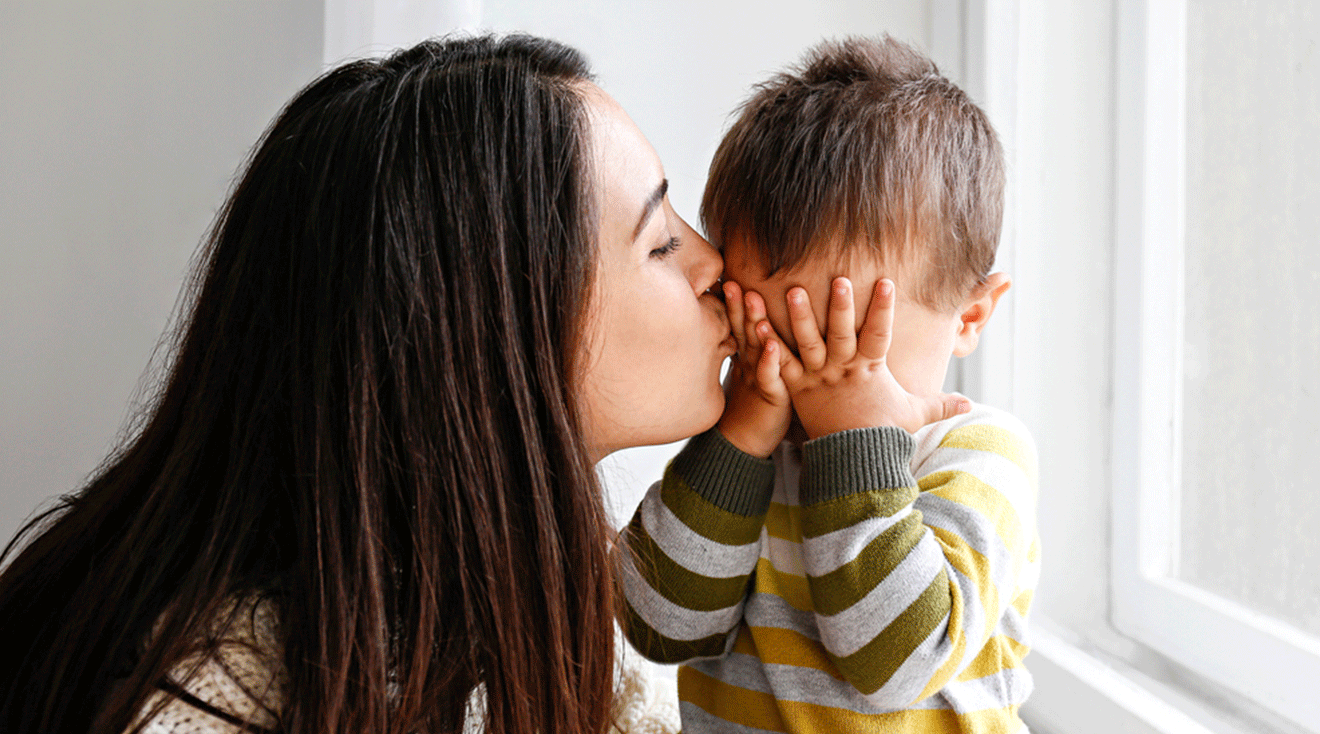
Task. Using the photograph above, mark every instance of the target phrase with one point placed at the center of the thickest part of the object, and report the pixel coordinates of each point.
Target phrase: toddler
(849, 550)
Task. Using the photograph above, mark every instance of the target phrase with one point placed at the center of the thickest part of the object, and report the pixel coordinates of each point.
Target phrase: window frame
(1262, 658)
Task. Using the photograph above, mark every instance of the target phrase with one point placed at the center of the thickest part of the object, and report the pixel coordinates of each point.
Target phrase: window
(1214, 506)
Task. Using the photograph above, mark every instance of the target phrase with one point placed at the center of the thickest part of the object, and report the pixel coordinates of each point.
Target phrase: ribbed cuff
(857, 460)
(725, 476)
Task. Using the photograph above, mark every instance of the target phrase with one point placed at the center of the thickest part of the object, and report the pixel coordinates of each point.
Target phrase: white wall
(121, 123)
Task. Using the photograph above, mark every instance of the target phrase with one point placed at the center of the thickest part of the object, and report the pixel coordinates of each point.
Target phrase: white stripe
(996, 691)
(1029, 579)
(784, 555)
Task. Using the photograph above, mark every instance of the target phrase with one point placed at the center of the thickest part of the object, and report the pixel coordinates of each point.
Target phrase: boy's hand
(757, 408)
(844, 381)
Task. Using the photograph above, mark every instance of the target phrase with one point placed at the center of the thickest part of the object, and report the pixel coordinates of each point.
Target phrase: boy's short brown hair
(863, 142)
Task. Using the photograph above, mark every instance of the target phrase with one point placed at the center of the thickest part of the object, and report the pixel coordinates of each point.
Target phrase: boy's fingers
(767, 369)
(802, 320)
(942, 407)
(753, 315)
(841, 322)
(790, 369)
(878, 329)
(733, 307)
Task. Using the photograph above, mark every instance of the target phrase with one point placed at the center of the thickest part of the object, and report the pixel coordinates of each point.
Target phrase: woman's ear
(975, 312)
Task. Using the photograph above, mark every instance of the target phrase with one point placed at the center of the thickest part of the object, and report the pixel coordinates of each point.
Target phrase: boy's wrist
(857, 460)
(751, 442)
(725, 475)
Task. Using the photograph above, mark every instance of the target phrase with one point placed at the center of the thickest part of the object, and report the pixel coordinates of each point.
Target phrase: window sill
(1078, 692)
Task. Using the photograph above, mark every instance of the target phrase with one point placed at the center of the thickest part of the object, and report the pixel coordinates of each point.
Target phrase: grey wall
(121, 123)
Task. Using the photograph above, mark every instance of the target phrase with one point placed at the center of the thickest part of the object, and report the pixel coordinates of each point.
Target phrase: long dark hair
(369, 420)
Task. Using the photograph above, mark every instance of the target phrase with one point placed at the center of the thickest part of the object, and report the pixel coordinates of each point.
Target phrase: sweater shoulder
(236, 684)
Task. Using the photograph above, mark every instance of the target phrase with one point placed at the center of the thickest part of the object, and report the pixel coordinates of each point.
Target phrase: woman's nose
(706, 268)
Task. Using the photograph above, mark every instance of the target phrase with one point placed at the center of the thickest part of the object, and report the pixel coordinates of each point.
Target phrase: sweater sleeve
(910, 579)
(690, 550)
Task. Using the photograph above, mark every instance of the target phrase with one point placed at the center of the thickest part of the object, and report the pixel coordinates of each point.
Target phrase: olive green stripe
(669, 651)
(850, 583)
(726, 477)
(707, 519)
(845, 512)
(680, 585)
(871, 667)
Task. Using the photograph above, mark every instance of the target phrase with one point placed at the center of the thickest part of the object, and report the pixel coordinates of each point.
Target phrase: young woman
(448, 282)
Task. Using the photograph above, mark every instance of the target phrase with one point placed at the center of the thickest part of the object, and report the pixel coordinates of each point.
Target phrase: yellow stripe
(982, 437)
(975, 567)
(1023, 602)
(1000, 653)
(731, 703)
(761, 711)
(983, 499)
(792, 589)
(784, 522)
(775, 646)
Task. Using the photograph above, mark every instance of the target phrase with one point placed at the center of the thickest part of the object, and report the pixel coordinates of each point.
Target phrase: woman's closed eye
(667, 249)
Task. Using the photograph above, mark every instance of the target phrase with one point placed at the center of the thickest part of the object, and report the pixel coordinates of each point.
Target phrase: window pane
(1251, 491)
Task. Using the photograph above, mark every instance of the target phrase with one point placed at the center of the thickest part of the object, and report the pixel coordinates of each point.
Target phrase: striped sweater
(880, 583)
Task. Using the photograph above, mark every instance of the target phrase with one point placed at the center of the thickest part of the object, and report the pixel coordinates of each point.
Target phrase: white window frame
(1258, 656)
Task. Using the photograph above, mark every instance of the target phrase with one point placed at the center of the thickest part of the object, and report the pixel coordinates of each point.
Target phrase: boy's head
(864, 161)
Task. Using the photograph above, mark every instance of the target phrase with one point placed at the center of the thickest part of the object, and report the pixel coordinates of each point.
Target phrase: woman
(447, 284)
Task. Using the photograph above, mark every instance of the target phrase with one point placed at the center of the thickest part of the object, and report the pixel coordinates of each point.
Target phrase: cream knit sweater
(245, 680)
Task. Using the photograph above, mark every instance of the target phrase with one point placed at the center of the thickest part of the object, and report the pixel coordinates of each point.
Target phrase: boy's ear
(975, 312)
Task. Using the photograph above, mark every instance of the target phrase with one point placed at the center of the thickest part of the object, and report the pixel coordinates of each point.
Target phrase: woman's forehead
(626, 168)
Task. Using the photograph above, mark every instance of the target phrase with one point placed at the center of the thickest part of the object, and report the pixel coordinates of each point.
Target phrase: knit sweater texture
(242, 686)
(874, 581)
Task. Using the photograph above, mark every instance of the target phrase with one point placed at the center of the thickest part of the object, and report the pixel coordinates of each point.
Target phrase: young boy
(874, 571)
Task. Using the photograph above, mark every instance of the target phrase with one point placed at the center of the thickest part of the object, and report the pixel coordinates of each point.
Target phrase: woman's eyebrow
(652, 203)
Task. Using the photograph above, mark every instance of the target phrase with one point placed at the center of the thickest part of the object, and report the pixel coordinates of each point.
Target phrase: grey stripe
(977, 532)
(668, 618)
(697, 721)
(1014, 626)
(825, 553)
(851, 629)
(693, 551)
(768, 610)
(790, 683)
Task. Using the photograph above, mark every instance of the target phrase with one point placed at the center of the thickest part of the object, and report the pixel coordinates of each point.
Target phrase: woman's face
(657, 334)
